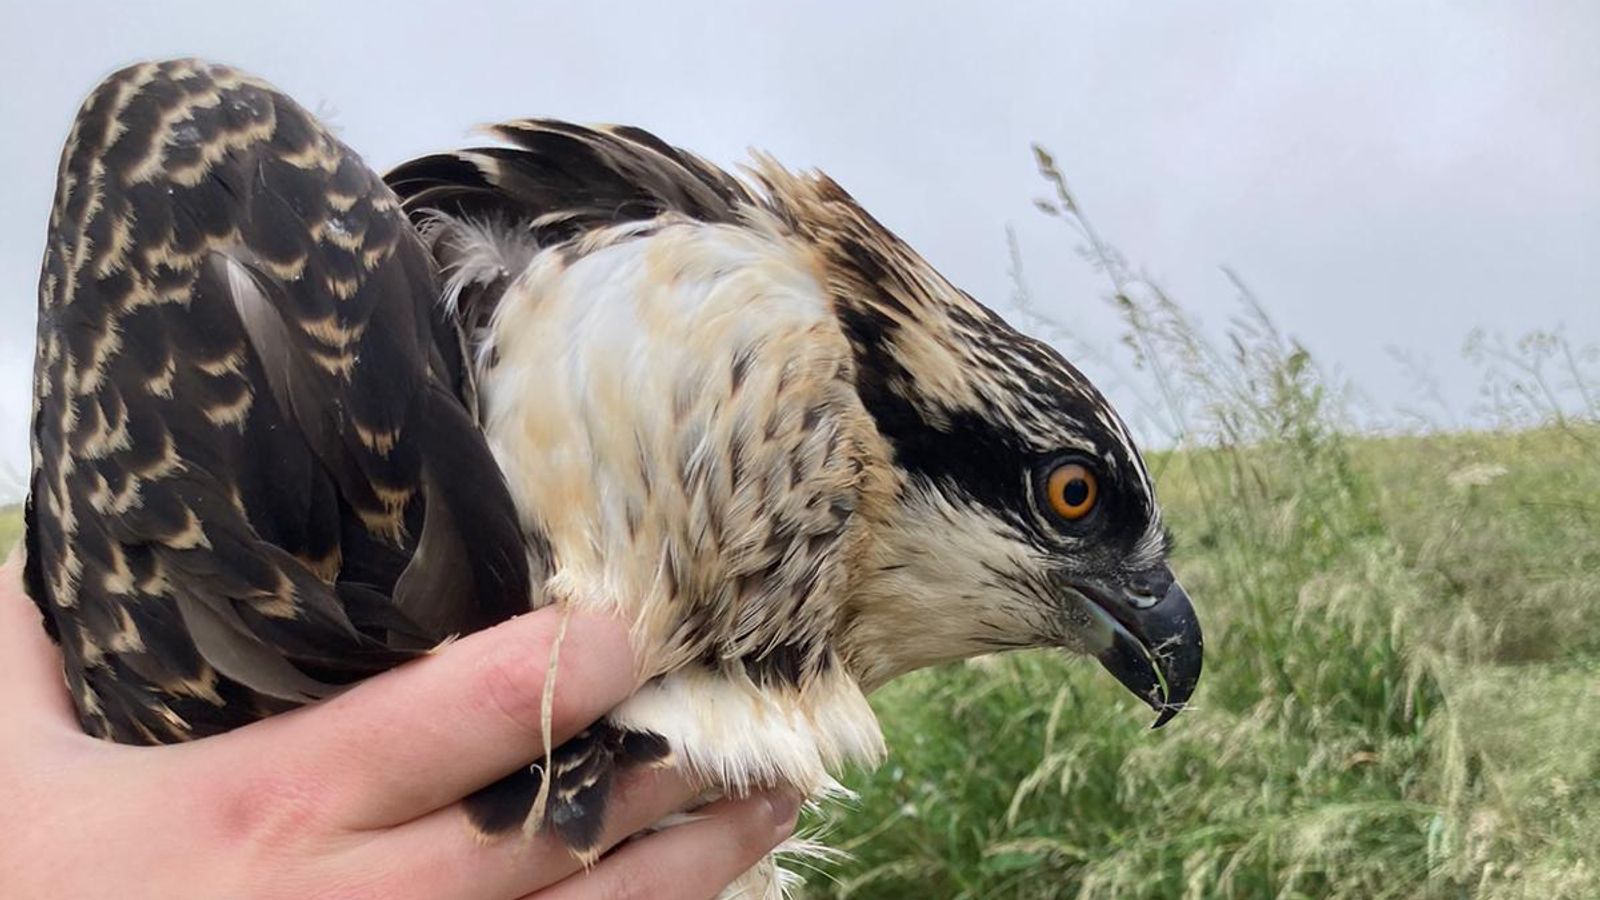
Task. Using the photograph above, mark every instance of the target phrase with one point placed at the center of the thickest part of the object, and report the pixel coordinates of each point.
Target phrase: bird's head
(1022, 513)
(1015, 510)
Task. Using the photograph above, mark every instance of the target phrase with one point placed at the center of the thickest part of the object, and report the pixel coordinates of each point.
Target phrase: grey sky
(1381, 173)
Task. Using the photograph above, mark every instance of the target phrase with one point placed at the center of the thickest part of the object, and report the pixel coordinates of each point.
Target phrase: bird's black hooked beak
(1150, 639)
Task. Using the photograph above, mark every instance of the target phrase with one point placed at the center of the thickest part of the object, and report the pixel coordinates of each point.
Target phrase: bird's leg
(567, 791)
(575, 796)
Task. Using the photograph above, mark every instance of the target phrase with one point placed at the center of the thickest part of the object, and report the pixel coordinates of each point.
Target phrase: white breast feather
(608, 372)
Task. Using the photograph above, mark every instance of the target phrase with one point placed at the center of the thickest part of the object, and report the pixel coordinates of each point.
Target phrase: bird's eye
(1071, 490)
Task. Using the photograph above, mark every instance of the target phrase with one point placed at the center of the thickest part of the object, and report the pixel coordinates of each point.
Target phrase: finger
(32, 691)
(441, 856)
(428, 733)
(693, 861)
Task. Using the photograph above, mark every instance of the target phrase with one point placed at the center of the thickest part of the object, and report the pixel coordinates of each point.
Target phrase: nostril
(1150, 585)
(1142, 601)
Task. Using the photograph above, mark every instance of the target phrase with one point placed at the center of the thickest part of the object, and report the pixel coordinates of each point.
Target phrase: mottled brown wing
(255, 478)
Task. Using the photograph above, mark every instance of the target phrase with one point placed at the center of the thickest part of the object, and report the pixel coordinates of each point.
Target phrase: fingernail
(783, 806)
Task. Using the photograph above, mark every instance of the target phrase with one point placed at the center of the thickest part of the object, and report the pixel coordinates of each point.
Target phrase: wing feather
(256, 477)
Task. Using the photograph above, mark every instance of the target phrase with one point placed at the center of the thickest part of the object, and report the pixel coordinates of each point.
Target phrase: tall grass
(1401, 690)
(10, 528)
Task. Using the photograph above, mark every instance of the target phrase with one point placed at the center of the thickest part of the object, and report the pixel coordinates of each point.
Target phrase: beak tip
(1167, 714)
(1156, 652)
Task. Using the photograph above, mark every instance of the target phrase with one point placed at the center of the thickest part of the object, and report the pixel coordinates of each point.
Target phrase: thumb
(31, 685)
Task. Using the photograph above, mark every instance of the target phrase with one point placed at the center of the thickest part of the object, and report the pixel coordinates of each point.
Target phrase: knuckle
(271, 811)
(511, 681)
(279, 835)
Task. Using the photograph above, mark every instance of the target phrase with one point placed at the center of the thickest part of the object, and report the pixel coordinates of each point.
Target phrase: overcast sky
(1381, 173)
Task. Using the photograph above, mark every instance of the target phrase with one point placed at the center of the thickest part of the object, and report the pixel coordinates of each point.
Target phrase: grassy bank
(1402, 688)
(1402, 699)
(10, 527)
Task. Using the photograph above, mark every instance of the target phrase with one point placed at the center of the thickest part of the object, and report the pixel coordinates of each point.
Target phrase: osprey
(296, 423)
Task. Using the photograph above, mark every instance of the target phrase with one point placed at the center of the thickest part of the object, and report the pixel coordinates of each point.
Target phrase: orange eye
(1072, 489)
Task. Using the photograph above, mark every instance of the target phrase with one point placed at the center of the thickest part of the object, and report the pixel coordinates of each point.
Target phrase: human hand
(354, 797)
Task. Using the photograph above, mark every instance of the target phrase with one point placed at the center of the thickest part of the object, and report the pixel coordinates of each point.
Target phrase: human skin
(355, 797)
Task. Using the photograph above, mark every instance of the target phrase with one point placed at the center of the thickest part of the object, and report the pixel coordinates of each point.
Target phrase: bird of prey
(296, 423)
